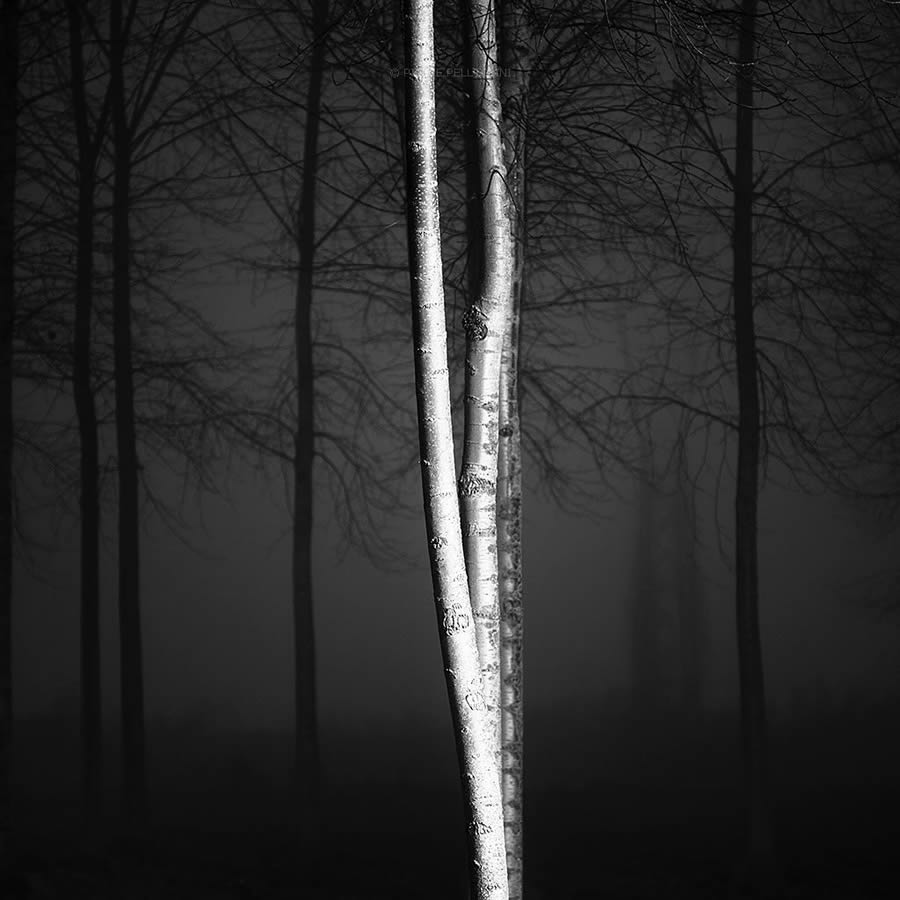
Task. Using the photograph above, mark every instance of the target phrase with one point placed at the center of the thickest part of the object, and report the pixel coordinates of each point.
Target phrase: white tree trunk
(515, 56)
(478, 766)
(485, 323)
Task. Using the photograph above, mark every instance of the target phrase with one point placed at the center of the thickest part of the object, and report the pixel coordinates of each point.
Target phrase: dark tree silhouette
(129, 111)
(760, 212)
(306, 762)
(329, 400)
(761, 850)
(90, 134)
(130, 645)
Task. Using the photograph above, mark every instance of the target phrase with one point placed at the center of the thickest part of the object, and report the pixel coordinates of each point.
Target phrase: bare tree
(307, 749)
(761, 849)
(130, 126)
(327, 400)
(759, 260)
(130, 644)
(90, 133)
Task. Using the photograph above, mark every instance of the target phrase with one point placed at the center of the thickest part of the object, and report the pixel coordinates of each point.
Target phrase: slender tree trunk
(760, 850)
(462, 667)
(485, 324)
(9, 47)
(306, 760)
(509, 548)
(515, 57)
(91, 734)
(131, 662)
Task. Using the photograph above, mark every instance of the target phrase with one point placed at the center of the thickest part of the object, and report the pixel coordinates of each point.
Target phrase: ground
(610, 813)
(571, 855)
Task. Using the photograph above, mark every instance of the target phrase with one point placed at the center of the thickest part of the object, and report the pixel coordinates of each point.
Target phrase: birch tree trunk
(306, 760)
(9, 47)
(515, 56)
(130, 647)
(88, 149)
(509, 549)
(133, 119)
(759, 869)
(462, 667)
(485, 322)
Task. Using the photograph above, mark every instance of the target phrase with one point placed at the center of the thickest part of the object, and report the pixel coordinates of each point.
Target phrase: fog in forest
(209, 328)
(217, 625)
(218, 676)
(217, 615)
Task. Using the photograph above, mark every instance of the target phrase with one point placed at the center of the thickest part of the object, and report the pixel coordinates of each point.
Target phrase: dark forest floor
(643, 818)
(570, 855)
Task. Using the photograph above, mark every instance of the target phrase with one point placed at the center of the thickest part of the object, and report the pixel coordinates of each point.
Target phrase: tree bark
(479, 773)
(509, 548)
(306, 760)
(485, 323)
(515, 58)
(759, 865)
(9, 47)
(91, 726)
(134, 795)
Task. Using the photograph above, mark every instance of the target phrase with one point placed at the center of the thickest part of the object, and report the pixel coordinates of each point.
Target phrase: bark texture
(485, 324)
(306, 760)
(9, 46)
(477, 763)
(759, 865)
(134, 796)
(515, 58)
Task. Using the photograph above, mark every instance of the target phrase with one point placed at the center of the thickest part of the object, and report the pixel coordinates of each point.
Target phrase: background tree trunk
(760, 849)
(9, 47)
(306, 759)
(134, 796)
(91, 713)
